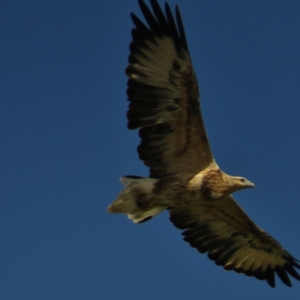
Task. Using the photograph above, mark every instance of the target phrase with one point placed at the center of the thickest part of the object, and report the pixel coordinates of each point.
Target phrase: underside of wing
(233, 241)
(164, 96)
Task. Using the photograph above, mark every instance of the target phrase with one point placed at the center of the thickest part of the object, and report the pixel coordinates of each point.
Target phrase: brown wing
(233, 241)
(164, 96)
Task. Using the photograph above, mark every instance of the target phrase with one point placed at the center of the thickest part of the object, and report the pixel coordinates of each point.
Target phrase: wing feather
(231, 239)
(164, 95)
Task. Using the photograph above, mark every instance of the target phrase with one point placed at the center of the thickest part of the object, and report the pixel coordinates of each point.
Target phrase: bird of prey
(184, 177)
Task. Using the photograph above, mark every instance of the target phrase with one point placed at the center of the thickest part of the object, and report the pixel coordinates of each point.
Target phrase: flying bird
(184, 176)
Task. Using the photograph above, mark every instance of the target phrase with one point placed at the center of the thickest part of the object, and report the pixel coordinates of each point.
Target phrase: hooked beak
(249, 184)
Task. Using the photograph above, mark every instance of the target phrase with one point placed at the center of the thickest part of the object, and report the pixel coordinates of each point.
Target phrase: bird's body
(178, 190)
(184, 177)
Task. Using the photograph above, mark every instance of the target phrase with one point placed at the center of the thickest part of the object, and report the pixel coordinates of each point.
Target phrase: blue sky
(65, 145)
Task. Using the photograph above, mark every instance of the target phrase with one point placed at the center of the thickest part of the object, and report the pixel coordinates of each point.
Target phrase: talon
(143, 201)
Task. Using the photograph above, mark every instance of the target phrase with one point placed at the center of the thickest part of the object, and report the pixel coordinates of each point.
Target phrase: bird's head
(238, 183)
(216, 184)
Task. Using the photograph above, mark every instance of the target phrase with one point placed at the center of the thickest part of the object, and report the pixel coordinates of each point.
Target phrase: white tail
(135, 187)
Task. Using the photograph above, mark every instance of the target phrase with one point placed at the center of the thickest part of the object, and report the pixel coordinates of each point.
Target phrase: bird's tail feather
(135, 188)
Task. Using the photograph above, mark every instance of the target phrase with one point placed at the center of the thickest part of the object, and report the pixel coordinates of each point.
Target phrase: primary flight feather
(184, 177)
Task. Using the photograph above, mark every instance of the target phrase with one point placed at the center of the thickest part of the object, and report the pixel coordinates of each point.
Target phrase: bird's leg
(143, 201)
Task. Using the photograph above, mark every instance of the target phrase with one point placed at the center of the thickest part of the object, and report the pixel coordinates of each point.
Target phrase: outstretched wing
(164, 96)
(233, 241)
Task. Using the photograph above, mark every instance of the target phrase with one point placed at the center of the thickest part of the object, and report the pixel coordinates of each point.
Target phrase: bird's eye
(243, 180)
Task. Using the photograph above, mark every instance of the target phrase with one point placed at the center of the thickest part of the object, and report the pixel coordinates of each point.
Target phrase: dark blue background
(64, 145)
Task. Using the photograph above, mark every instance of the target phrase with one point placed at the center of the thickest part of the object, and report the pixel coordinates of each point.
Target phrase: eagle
(184, 176)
